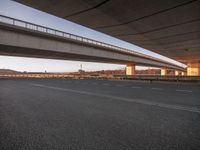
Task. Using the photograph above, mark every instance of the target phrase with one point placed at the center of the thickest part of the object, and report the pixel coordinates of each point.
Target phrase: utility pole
(80, 71)
(81, 67)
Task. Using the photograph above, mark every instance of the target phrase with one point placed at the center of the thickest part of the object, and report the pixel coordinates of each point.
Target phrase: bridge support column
(163, 72)
(183, 73)
(193, 69)
(130, 69)
(176, 73)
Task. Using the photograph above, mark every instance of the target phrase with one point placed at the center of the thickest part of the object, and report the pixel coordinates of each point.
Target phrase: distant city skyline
(19, 11)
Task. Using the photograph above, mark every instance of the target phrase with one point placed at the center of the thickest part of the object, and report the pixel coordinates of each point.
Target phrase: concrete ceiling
(168, 27)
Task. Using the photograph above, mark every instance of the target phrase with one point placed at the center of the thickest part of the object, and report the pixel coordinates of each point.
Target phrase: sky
(22, 12)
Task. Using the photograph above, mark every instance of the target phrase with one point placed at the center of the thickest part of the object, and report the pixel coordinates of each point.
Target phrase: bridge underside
(35, 53)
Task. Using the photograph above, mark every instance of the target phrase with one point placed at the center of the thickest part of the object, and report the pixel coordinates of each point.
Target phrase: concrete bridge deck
(21, 38)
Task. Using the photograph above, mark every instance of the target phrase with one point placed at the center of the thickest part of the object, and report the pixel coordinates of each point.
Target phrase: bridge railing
(39, 28)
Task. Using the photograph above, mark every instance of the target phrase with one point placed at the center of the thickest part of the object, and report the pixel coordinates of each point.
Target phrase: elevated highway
(20, 38)
(170, 28)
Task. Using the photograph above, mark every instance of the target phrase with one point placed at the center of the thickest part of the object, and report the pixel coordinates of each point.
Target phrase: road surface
(61, 114)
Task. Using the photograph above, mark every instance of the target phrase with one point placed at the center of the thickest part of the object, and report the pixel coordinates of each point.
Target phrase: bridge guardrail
(160, 78)
(151, 78)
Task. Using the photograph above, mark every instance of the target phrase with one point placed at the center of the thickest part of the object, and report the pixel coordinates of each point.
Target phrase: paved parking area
(95, 114)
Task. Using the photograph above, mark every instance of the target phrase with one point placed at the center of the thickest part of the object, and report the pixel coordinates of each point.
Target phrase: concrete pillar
(193, 69)
(163, 72)
(130, 69)
(183, 73)
(176, 73)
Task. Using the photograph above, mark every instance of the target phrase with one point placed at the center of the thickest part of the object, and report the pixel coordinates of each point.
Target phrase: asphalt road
(59, 114)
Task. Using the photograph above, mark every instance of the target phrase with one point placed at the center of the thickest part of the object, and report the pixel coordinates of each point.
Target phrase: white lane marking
(159, 89)
(188, 91)
(119, 85)
(135, 87)
(5, 88)
(139, 101)
(106, 84)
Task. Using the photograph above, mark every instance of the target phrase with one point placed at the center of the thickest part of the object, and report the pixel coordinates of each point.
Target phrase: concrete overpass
(20, 38)
(168, 27)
